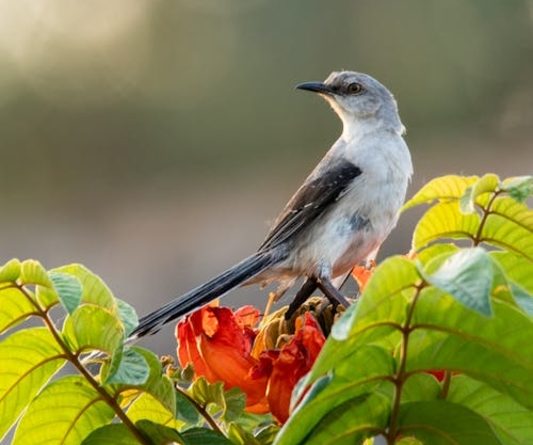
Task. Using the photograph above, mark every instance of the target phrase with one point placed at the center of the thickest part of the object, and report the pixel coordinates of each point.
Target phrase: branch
(401, 375)
(73, 358)
(476, 240)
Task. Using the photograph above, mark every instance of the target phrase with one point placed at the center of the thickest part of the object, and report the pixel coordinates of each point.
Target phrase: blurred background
(154, 141)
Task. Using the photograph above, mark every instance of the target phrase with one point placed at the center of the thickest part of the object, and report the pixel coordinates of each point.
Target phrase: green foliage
(460, 312)
(78, 409)
(454, 310)
(112, 380)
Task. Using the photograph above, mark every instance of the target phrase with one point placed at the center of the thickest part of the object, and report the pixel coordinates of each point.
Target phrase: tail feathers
(201, 295)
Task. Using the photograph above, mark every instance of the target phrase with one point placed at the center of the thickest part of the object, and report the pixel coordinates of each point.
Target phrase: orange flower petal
(188, 350)
(247, 316)
(362, 274)
(219, 344)
(294, 360)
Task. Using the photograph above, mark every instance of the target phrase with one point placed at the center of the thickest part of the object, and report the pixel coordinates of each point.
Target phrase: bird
(337, 219)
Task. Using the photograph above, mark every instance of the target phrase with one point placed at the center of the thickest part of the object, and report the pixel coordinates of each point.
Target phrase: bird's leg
(331, 292)
(303, 294)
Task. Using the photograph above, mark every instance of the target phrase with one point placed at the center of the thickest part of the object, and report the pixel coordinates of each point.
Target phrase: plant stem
(401, 377)
(446, 385)
(486, 212)
(201, 409)
(73, 358)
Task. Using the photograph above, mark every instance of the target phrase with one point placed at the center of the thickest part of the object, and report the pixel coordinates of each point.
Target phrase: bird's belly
(338, 244)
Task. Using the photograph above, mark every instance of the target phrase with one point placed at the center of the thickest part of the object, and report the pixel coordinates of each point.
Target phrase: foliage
(459, 304)
(154, 403)
(458, 307)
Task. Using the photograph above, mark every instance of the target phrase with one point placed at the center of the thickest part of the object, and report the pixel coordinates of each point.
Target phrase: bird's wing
(310, 201)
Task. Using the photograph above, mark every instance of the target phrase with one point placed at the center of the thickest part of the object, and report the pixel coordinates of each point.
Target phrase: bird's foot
(301, 296)
(332, 293)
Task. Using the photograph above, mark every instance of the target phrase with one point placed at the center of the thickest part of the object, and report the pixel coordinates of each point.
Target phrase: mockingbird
(341, 214)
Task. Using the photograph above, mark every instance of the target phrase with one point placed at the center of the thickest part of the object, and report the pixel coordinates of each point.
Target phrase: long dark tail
(197, 297)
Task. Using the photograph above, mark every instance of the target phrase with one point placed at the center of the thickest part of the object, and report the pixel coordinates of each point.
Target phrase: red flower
(290, 364)
(219, 342)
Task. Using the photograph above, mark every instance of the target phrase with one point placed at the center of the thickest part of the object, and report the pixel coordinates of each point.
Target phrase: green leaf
(241, 436)
(522, 298)
(234, 403)
(510, 226)
(516, 268)
(128, 316)
(159, 434)
(513, 211)
(444, 221)
(267, 434)
(507, 290)
(468, 276)
(350, 422)
(95, 291)
(114, 434)
(10, 271)
(157, 384)
(205, 393)
(488, 183)
(128, 367)
(14, 308)
(71, 405)
(512, 423)
(203, 436)
(360, 371)
(148, 407)
(376, 317)
(32, 272)
(507, 234)
(68, 289)
(428, 254)
(92, 327)
(444, 423)
(382, 299)
(419, 387)
(29, 359)
(186, 410)
(497, 350)
(519, 187)
(229, 405)
(46, 296)
(445, 188)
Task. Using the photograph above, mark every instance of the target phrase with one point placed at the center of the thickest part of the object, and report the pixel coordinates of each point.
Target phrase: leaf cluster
(81, 383)
(459, 308)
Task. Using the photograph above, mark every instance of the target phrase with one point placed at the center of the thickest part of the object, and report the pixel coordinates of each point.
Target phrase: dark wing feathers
(311, 201)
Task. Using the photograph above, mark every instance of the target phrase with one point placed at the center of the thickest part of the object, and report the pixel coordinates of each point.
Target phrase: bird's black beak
(315, 87)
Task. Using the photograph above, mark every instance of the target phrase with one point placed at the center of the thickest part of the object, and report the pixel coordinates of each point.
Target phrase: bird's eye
(354, 88)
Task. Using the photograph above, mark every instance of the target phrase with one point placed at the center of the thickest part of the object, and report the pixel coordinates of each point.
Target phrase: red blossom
(218, 342)
(291, 363)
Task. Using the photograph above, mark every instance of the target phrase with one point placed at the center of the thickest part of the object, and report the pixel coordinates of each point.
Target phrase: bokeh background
(155, 140)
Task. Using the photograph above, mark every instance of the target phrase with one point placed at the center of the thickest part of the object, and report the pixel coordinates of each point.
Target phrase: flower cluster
(265, 360)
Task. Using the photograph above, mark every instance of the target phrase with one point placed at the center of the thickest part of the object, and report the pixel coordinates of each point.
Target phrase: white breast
(336, 242)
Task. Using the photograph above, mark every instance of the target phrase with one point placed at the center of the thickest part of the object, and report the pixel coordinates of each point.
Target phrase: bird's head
(357, 97)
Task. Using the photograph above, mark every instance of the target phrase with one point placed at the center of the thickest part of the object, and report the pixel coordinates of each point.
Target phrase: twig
(73, 358)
